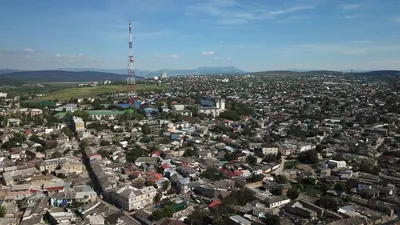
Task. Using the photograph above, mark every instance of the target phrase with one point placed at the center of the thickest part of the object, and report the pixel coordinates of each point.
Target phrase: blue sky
(252, 35)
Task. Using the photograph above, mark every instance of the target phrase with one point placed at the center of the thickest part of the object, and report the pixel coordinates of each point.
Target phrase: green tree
(293, 193)
(133, 154)
(309, 157)
(104, 143)
(341, 187)
(3, 211)
(212, 174)
(166, 212)
(272, 220)
(252, 160)
(67, 131)
(146, 129)
(281, 179)
(56, 154)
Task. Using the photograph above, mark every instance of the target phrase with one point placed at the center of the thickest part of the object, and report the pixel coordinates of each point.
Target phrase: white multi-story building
(130, 198)
(336, 164)
(305, 147)
(271, 150)
(215, 111)
(3, 95)
(164, 75)
(79, 124)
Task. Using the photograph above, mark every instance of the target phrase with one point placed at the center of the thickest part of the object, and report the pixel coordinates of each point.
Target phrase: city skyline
(175, 34)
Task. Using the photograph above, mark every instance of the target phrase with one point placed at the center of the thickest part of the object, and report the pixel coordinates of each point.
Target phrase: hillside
(84, 92)
(58, 76)
(147, 73)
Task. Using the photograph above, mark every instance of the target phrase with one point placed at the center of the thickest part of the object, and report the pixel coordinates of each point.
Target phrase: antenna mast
(131, 73)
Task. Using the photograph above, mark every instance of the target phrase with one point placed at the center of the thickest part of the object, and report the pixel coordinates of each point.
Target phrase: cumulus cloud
(58, 55)
(291, 9)
(166, 56)
(29, 50)
(349, 6)
(353, 16)
(208, 53)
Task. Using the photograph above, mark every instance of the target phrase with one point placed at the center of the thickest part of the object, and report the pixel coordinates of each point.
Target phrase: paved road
(281, 167)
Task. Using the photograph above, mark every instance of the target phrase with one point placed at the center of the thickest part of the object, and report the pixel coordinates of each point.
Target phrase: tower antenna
(131, 73)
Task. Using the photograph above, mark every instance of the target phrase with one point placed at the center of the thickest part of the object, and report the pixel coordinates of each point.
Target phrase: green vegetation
(241, 197)
(86, 92)
(212, 174)
(135, 153)
(3, 211)
(167, 212)
(272, 219)
(293, 193)
(309, 157)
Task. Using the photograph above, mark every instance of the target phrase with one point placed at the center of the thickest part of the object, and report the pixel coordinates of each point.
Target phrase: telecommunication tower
(131, 73)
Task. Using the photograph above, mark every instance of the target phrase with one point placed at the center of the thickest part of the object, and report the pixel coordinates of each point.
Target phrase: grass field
(85, 92)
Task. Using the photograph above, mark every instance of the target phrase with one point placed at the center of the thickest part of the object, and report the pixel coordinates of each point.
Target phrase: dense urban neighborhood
(265, 148)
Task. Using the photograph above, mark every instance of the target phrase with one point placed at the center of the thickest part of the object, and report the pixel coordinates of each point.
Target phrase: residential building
(130, 198)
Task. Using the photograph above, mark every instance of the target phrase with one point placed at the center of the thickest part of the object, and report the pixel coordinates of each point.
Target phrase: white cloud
(229, 12)
(289, 10)
(168, 56)
(228, 58)
(396, 19)
(58, 55)
(208, 53)
(353, 16)
(349, 48)
(29, 50)
(349, 6)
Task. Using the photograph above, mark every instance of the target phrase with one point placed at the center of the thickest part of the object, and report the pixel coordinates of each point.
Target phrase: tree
(272, 220)
(104, 143)
(146, 129)
(281, 179)
(56, 154)
(252, 160)
(133, 154)
(67, 131)
(340, 187)
(190, 153)
(197, 216)
(309, 157)
(293, 193)
(166, 212)
(212, 174)
(3, 211)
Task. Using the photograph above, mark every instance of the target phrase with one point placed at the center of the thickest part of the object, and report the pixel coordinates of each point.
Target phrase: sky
(253, 35)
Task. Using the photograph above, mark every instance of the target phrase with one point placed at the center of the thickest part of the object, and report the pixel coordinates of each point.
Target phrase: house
(187, 171)
(141, 161)
(78, 124)
(130, 198)
(67, 108)
(276, 201)
(271, 150)
(336, 164)
(238, 220)
(182, 185)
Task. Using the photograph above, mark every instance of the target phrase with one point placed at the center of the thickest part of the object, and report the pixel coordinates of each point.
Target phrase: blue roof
(149, 110)
(124, 105)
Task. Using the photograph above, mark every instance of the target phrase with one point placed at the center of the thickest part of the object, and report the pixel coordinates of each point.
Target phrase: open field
(85, 92)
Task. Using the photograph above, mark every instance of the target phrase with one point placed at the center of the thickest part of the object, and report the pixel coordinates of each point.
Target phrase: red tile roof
(215, 203)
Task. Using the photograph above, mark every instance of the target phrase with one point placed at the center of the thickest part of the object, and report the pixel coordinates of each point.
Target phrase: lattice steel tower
(131, 74)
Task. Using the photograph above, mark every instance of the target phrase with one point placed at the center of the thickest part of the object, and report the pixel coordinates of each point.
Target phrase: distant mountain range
(15, 77)
(148, 73)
